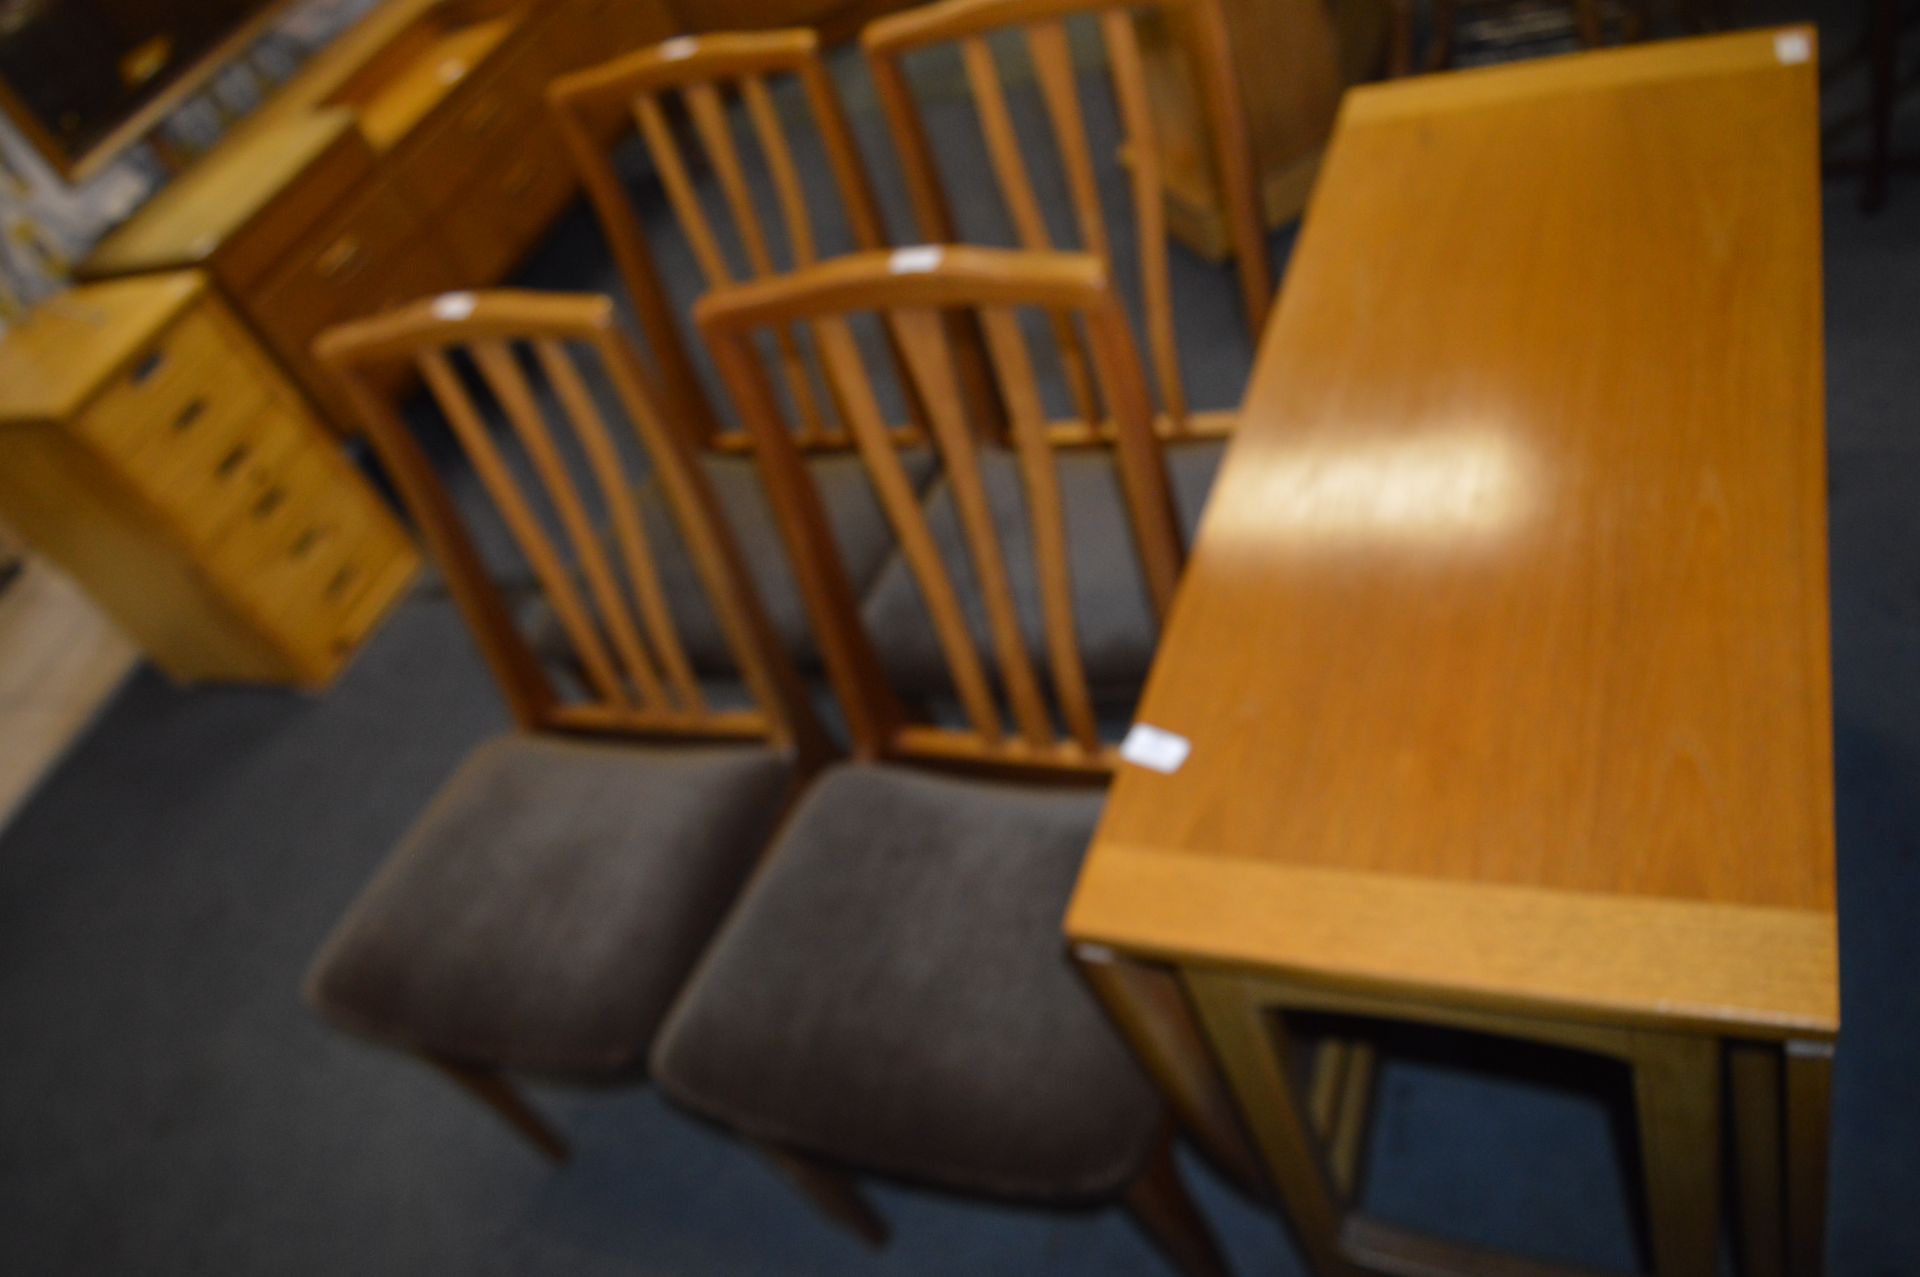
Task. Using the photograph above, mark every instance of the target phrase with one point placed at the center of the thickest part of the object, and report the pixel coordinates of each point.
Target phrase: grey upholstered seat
(1116, 629)
(858, 522)
(894, 992)
(545, 909)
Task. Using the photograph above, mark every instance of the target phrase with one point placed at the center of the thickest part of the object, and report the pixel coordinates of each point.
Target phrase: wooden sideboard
(411, 157)
(150, 448)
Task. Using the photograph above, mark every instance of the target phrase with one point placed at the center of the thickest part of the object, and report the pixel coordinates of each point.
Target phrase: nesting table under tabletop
(1502, 653)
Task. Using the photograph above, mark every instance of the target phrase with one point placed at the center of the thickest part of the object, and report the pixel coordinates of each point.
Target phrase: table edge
(1743, 970)
(1584, 71)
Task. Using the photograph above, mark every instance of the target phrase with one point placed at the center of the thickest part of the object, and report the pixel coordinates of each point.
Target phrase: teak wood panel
(603, 584)
(966, 25)
(1515, 576)
(914, 293)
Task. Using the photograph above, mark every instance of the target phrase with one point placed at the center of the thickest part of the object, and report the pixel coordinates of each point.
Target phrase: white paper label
(453, 306)
(914, 261)
(1153, 748)
(1097, 953)
(1792, 47)
(678, 47)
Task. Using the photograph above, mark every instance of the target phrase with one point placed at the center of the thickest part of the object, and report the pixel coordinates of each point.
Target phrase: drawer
(202, 442)
(338, 270)
(229, 479)
(474, 136)
(507, 210)
(418, 269)
(255, 556)
(177, 377)
(316, 553)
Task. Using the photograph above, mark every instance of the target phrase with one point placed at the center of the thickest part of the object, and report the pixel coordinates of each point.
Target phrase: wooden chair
(893, 993)
(543, 912)
(598, 107)
(968, 24)
(596, 110)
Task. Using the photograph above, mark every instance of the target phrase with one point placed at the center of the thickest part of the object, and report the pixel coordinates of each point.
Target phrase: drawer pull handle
(188, 415)
(309, 539)
(340, 256)
(269, 501)
(145, 370)
(341, 580)
(231, 462)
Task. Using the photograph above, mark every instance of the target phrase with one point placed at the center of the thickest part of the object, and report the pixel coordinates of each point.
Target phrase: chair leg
(834, 1193)
(1159, 1202)
(498, 1094)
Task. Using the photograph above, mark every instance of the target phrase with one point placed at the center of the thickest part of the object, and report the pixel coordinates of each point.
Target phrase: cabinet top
(72, 343)
(188, 222)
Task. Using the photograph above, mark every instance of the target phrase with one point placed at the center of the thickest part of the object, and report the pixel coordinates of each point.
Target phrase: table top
(1503, 648)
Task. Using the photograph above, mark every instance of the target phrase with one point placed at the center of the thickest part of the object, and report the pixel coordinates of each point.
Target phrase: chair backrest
(912, 291)
(1200, 30)
(597, 108)
(526, 384)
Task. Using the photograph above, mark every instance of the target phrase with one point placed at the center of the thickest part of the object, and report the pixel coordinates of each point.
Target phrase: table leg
(1676, 1084)
(1150, 1008)
(1809, 1100)
(1753, 1070)
(1252, 1048)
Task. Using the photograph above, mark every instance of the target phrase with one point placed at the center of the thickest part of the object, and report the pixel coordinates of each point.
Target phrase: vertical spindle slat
(636, 549)
(548, 567)
(917, 545)
(923, 341)
(1149, 208)
(1008, 347)
(503, 376)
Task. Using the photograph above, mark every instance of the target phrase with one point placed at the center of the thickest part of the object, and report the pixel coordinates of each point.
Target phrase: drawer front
(341, 264)
(373, 260)
(507, 210)
(176, 378)
(214, 461)
(473, 138)
(307, 549)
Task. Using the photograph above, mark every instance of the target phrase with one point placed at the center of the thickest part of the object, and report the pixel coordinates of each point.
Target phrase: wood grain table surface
(1503, 649)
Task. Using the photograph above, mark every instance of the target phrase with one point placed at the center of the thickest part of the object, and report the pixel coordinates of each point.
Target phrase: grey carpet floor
(168, 1106)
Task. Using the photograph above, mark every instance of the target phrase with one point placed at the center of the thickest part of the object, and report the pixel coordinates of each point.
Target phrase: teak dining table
(1501, 660)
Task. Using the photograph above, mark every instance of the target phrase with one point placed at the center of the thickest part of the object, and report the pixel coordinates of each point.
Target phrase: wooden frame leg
(1756, 1106)
(1159, 1202)
(500, 1095)
(1148, 1005)
(1252, 1045)
(1340, 1102)
(833, 1192)
(1809, 1089)
(1676, 1086)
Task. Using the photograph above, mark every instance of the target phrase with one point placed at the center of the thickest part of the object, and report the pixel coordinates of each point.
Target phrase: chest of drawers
(153, 450)
(413, 157)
